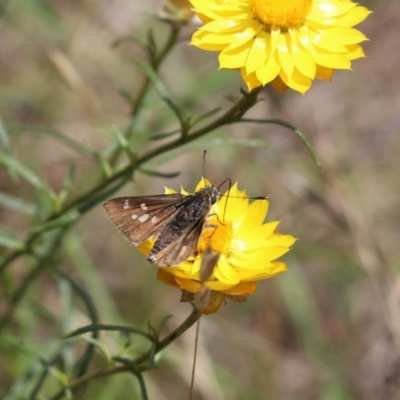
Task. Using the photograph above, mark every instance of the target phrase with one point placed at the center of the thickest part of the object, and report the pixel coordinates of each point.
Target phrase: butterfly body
(174, 221)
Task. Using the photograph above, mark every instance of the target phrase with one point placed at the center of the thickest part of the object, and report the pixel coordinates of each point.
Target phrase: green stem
(137, 105)
(78, 383)
(41, 262)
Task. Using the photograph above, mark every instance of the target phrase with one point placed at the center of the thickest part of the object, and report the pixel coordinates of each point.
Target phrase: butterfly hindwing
(181, 249)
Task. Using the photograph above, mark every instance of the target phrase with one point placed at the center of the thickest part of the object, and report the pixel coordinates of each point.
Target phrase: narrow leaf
(163, 135)
(162, 91)
(297, 131)
(206, 115)
(16, 204)
(83, 149)
(66, 188)
(123, 143)
(103, 327)
(4, 139)
(99, 346)
(25, 173)
(11, 243)
(203, 143)
(65, 219)
(158, 174)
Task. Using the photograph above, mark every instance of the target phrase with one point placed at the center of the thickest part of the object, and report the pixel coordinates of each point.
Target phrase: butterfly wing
(181, 249)
(142, 218)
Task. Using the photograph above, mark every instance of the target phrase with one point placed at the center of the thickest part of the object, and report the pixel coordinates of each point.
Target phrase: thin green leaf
(16, 204)
(65, 190)
(59, 375)
(164, 322)
(83, 363)
(103, 327)
(164, 135)
(162, 91)
(67, 310)
(123, 143)
(126, 361)
(126, 39)
(158, 174)
(152, 330)
(11, 243)
(151, 44)
(26, 173)
(65, 219)
(105, 165)
(4, 139)
(127, 97)
(206, 115)
(101, 347)
(74, 214)
(297, 131)
(203, 143)
(81, 148)
(102, 196)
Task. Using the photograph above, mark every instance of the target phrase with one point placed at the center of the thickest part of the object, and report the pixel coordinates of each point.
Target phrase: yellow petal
(260, 232)
(254, 259)
(262, 273)
(190, 285)
(296, 81)
(164, 276)
(342, 35)
(225, 273)
(250, 80)
(216, 300)
(284, 55)
(242, 289)
(324, 73)
(257, 54)
(302, 60)
(232, 59)
(327, 9)
(254, 216)
(354, 16)
(354, 52)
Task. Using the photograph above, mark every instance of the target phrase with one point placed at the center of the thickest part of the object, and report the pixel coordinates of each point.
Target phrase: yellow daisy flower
(247, 247)
(176, 11)
(285, 42)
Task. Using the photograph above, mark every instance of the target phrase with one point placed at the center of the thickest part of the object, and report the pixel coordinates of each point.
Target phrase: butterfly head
(211, 193)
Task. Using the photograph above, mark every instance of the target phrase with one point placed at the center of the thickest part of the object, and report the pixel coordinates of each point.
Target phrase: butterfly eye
(214, 198)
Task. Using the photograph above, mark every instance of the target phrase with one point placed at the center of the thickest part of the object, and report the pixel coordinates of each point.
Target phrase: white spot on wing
(143, 217)
(134, 216)
(154, 219)
(182, 250)
(143, 206)
(126, 204)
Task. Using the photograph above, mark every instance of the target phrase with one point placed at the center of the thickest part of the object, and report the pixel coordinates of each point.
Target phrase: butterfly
(174, 221)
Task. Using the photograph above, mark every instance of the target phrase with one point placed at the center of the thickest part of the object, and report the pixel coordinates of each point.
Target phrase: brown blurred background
(327, 329)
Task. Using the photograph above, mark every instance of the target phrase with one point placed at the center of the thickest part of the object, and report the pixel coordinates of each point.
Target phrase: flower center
(281, 13)
(217, 235)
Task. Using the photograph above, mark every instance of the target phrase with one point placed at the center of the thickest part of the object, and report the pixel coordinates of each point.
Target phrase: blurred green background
(327, 329)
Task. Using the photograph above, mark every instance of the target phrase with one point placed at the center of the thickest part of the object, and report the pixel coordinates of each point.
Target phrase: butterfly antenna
(227, 195)
(204, 164)
(196, 341)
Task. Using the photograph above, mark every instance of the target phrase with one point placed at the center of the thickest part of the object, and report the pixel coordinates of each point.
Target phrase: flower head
(285, 42)
(246, 246)
(176, 11)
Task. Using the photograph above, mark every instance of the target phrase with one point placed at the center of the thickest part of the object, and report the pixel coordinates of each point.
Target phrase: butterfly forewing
(174, 221)
(142, 218)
